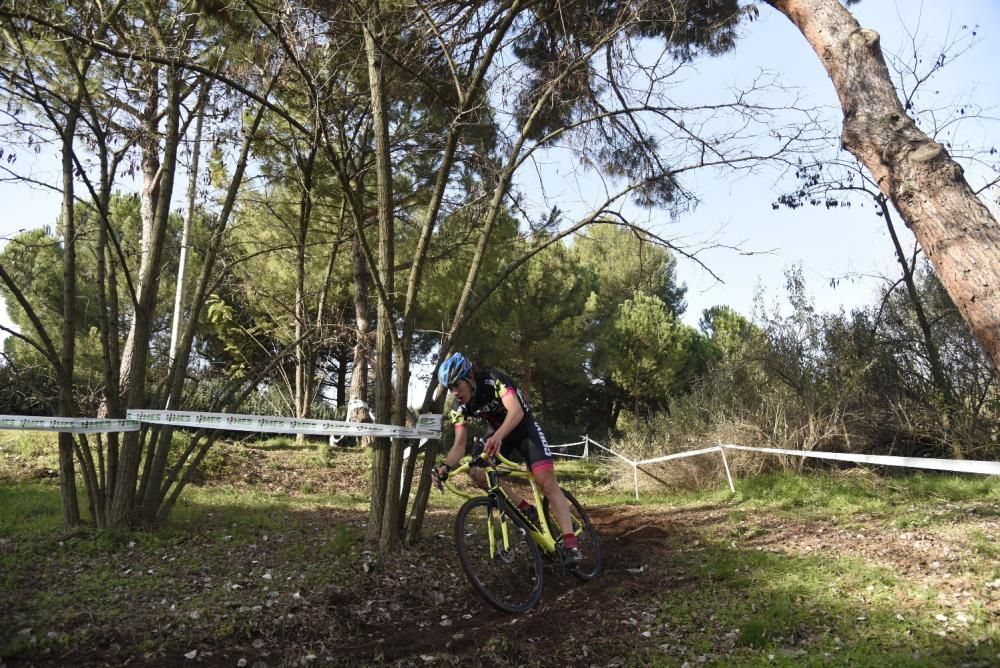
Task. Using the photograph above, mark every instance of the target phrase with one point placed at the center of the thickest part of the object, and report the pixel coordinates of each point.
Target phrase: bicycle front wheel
(498, 555)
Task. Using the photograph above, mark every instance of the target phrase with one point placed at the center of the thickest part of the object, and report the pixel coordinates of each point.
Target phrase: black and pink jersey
(526, 439)
(487, 403)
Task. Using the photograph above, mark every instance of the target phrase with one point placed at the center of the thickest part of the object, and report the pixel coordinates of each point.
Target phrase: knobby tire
(511, 580)
(590, 546)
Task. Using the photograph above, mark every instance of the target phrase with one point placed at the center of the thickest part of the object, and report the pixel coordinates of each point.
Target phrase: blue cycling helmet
(454, 369)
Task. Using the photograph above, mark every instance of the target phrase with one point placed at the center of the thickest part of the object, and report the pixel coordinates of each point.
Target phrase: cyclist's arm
(457, 451)
(513, 418)
(514, 415)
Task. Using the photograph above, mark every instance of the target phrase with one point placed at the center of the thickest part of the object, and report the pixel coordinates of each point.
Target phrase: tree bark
(322, 340)
(955, 229)
(386, 459)
(192, 195)
(362, 346)
(157, 483)
(303, 349)
(155, 208)
(67, 475)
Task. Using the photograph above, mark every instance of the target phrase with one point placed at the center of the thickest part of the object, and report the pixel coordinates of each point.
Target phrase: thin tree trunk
(192, 194)
(362, 345)
(110, 401)
(954, 228)
(112, 352)
(155, 488)
(303, 349)
(415, 521)
(320, 340)
(155, 209)
(385, 490)
(938, 376)
(341, 378)
(67, 474)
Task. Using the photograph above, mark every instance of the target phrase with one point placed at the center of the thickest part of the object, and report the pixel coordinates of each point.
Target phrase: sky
(843, 253)
(850, 248)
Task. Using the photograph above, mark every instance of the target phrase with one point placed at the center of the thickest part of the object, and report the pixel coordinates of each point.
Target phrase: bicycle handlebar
(498, 461)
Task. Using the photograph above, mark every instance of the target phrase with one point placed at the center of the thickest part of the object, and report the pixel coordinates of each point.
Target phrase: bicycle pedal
(531, 514)
(571, 557)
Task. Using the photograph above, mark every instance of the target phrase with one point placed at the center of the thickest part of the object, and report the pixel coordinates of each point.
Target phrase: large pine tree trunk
(954, 228)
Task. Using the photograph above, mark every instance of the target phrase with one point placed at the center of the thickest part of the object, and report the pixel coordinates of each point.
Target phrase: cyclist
(492, 396)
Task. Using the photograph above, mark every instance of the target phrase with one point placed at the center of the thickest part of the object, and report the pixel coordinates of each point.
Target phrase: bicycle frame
(495, 471)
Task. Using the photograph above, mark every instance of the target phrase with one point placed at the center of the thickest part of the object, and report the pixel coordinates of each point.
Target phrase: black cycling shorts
(528, 445)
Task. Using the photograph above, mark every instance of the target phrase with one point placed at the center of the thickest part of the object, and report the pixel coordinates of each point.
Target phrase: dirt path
(574, 621)
(415, 608)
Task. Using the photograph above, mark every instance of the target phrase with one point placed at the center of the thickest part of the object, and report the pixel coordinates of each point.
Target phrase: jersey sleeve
(457, 417)
(502, 384)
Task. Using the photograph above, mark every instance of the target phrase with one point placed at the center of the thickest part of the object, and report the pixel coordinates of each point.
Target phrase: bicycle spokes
(499, 557)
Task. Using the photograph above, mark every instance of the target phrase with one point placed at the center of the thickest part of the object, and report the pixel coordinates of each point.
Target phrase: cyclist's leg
(542, 468)
(514, 454)
(479, 475)
(545, 478)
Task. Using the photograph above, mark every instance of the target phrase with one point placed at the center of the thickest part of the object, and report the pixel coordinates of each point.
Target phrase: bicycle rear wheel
(498, 555)
(593, 562)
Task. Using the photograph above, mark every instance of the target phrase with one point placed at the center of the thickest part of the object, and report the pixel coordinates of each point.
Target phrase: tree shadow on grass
(739, 605)
(279, 579)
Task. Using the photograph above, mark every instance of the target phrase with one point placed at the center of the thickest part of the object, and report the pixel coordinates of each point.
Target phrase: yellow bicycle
(501, 548)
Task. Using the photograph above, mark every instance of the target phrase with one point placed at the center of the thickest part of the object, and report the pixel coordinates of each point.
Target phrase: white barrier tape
(566, 445)
(280, 425)
(957, 465)
(566, 454)
(679, 455)
(358, 404)
(622, 457)
(69, 425)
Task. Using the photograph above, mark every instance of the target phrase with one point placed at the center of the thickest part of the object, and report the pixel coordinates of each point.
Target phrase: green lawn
(813, 569)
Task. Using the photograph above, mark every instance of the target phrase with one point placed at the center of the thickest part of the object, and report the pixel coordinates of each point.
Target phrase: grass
(225, 549)
(29, 509)
(769, 609)
(739, 590)
(766, 606)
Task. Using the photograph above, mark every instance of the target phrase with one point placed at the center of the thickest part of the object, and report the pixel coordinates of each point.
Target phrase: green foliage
(34, 260)
(645, 345)
(626, 262)
(860, 382)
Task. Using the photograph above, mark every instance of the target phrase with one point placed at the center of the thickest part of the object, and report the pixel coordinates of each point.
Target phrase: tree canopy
(356, 215)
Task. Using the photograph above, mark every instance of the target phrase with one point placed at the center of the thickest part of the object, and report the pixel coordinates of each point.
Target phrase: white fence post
(722, 451)
(635, 476)
(586, 446)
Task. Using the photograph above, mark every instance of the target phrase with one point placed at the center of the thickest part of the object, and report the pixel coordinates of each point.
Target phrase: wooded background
(348, 212)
